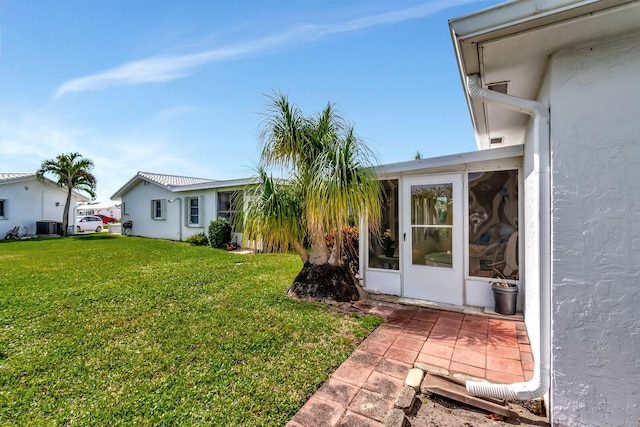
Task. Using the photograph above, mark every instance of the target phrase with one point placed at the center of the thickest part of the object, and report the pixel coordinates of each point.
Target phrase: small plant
(502, 281)
(219, 233)
(197, 239)
(388, 243)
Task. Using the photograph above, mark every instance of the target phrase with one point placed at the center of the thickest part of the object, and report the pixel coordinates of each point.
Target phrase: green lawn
(109, 330)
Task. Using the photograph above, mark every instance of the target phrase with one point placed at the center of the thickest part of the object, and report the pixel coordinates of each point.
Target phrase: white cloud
(30, 139)
(170, 67)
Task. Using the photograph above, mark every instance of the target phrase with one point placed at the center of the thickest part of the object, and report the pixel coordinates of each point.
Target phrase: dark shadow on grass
(95, 236)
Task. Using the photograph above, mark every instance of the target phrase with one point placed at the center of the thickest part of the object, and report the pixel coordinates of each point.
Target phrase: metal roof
(9, 177)
(177, 183)
(15, 176)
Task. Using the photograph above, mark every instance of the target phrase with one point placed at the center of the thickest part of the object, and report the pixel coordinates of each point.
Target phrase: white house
(550, 201)
(176, 207)
(561, 80)
(111, 209)
(25, 200)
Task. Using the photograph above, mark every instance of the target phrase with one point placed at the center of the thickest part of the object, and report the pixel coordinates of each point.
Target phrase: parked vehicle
(89, 223)
(107, 219)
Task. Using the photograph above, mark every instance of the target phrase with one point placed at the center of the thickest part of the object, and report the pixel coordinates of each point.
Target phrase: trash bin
(505, 298)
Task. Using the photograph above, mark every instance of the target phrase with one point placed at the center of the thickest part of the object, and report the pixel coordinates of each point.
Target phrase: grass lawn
(109, 330)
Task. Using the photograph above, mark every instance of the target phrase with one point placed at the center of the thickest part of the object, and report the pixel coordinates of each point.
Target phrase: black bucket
(505, 298)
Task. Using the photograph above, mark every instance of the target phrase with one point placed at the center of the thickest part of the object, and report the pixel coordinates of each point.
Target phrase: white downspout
(539, 384)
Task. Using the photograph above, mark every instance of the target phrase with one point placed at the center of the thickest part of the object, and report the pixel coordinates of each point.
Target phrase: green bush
(219, 233)
(197, 239)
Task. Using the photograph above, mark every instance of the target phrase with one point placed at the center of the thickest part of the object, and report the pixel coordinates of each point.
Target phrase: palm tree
(330, 179)
(73, 173)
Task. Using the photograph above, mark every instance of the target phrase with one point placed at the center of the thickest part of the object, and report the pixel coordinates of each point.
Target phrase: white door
(432, 238)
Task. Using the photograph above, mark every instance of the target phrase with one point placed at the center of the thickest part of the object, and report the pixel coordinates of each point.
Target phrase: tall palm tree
(73, 173)
(330, 179)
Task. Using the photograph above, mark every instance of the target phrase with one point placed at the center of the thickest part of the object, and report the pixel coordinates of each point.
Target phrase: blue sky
(177, 87)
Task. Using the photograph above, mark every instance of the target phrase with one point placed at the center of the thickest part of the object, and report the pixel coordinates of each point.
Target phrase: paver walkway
(363, 389)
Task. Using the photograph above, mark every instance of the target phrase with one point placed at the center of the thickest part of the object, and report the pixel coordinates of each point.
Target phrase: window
(3, 209)
(229, 203)
(194, 211)
(158, 208)
(493, 224)
(384, 250)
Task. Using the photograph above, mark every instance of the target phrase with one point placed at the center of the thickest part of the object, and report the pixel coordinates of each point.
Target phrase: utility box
(48, 227)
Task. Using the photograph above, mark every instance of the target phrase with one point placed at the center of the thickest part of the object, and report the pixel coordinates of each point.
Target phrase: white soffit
(512, 42)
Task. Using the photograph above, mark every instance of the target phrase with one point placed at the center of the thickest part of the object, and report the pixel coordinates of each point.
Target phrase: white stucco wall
(137, 203)
(137, 209)
(32, 200)
(595, 130)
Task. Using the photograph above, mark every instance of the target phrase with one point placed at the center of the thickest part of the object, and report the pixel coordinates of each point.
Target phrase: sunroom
(450, 226)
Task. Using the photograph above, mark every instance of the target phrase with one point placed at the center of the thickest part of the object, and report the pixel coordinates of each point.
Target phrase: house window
(384, 250)
(193, 211)
(229, 203)
(158, 209)
(493, 224)
(3, 209)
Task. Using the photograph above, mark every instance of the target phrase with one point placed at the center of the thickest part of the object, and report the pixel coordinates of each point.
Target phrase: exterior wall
(595, 137)
(137, 209)
(174, 225)
(31, 200)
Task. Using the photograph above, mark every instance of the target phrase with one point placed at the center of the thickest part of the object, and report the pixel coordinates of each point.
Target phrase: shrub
(219, 233)
(197, 239)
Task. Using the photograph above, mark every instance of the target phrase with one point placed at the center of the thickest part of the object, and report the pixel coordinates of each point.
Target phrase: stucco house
(111, 209)
(574, 67)
(559, 78)
(176, 207)
(25, 200)
(550, 200)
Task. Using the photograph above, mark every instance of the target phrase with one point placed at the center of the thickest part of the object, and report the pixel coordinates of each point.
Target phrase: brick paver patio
(363, 389)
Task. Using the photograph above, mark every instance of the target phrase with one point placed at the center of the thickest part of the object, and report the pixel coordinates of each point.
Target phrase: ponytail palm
(329, 180)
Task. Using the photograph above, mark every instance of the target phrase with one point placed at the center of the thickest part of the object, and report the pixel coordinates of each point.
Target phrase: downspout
(539, 384)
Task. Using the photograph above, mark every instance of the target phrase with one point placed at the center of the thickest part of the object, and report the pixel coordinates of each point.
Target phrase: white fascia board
(516, 16)
(241, 182)
(451, 160)
(470, 32)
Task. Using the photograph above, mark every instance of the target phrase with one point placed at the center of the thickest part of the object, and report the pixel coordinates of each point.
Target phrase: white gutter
(540, 255)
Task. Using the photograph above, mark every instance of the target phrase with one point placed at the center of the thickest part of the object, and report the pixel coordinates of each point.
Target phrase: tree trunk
(65, 214)
(325, 283)
(301, 251)
(319, 252)
(336, 251)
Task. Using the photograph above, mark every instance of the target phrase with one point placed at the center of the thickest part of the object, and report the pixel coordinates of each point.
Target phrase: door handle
(404, 237)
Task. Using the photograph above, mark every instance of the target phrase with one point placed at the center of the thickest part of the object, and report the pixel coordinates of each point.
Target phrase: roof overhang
(21, 177)
(209, 185)
(450, 161)
(512, 42)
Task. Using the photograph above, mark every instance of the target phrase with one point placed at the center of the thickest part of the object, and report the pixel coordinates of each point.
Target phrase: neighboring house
(111, 209)
(176, 207)
(24, 200)
(574, 67)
